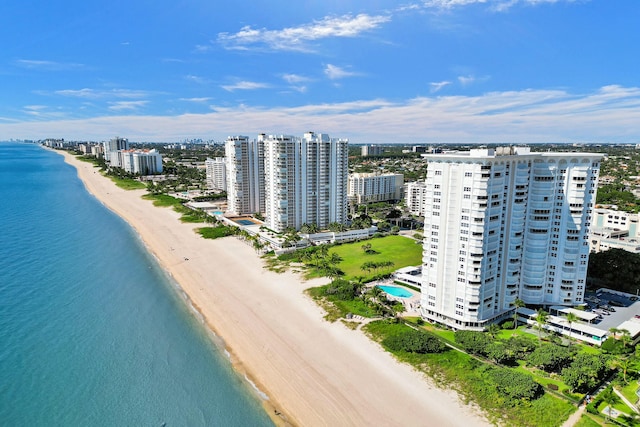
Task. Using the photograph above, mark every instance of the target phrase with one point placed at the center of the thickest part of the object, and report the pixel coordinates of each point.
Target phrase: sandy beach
(315, 373)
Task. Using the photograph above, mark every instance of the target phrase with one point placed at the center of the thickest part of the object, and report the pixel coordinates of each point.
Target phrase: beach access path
(315, 373)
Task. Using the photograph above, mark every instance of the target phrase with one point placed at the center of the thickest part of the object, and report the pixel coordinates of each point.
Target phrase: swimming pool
(245, 222)
(396, 291)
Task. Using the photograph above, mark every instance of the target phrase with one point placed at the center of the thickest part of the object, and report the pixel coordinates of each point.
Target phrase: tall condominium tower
(113, 145)
(216, 173)
(245, 175)
(502, 224)
(305, 180)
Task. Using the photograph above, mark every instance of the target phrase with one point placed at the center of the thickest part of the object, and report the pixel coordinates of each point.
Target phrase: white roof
(632, 326)
(585, 315)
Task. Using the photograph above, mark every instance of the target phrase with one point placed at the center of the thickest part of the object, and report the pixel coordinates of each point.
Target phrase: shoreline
(312, 372)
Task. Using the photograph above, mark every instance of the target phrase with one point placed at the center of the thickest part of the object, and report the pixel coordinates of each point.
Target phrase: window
(468, 174)
(467, 189)
(438, 172)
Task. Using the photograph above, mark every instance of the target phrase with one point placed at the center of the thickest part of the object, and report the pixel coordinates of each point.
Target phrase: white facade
(216, 173)
(504, 224)
(140, 162)
(371, 150)
(305, 180)
(371, 187)
(615, 230)
(414, 194)
(114, 145)
(245, 175)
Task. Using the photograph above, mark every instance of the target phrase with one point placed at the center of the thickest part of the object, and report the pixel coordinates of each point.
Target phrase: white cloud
(244, 85)
(496, 5)
(471, 79)
(100, 93)
(127, 105)
(195, 99)
(46, 65)
(296, 38)
(334, 73)
(609, 114)
(294, 78)
(436, 86)
(196, 79)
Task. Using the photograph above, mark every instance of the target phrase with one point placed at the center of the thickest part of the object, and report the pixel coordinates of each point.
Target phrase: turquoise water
(92, 332)
(396, 291)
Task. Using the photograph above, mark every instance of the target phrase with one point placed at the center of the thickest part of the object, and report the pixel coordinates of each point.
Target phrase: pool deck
(411, 304)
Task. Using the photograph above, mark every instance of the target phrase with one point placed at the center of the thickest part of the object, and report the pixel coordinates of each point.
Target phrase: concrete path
(575, 417)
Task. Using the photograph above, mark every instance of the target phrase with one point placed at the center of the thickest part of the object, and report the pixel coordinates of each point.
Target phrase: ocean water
(92, 332)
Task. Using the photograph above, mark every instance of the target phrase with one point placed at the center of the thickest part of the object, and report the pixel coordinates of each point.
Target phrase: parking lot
(623, 308)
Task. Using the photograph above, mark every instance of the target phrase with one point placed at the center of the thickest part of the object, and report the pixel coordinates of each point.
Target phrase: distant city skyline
(430, 71)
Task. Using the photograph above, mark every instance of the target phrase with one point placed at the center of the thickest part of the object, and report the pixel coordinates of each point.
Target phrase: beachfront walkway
(575, 417)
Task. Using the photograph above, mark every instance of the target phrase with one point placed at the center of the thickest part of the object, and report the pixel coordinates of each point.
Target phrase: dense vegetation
(507, 396)
(615, 269)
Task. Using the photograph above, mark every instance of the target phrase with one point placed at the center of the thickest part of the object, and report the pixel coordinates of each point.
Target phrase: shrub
(472, 341)
(508, 324)
(413, 341)
(515, 385)
(342, 290)
(552, 386)
(549, 357)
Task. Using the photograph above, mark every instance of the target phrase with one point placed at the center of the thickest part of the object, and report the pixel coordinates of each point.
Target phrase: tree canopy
(615, 269)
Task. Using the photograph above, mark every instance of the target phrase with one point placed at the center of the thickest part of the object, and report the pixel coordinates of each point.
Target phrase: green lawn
(188, 215)
(214, 232)
(163, 200)
(402, 251)
(587, 421)
(127, 183)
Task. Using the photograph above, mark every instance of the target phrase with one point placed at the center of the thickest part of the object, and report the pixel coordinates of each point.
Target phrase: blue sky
(431, 71)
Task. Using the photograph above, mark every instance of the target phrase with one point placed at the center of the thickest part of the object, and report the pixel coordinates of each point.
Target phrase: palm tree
(625, 337)
(541, 320)
(570, 318)
(610, 398)
(622, 363)
(518, 303)
(493, 330)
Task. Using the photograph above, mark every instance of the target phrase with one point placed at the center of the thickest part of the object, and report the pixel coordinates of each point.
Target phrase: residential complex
(615, 229)
(305, 180)
(114, 145)
(502, 224)
(216, 173)
(139, 162)
(371, 150)
(415, 193)
(373, 187)
(245, 175)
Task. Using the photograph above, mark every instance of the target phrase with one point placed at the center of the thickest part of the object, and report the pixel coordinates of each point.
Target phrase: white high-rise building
(504, 224)
(141, 162)
(245, 175)
(305, 180)
(373, 187)
(371, 150)
(414, 197)
(216, 173)
(113, 145)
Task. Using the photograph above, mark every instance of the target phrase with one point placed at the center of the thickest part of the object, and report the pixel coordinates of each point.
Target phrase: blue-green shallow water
(92, 332)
